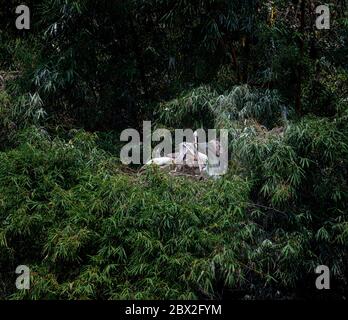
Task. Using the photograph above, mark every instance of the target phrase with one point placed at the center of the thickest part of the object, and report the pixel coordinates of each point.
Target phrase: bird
(162, 161)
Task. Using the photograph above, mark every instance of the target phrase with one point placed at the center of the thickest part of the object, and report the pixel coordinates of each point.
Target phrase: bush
(90, 231)
(204, 107)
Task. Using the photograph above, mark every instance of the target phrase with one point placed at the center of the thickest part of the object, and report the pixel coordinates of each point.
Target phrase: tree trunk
(298, 102)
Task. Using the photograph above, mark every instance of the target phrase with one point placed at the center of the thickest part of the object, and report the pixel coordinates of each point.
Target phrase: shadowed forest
(90, 227)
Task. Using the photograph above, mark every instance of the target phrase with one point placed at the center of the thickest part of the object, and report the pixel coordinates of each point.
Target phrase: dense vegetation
(92, 228)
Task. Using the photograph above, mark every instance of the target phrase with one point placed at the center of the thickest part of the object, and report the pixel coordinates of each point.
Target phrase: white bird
(162, 161)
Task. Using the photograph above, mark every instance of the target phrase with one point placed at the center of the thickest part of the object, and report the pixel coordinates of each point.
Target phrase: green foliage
(130, 237)
(89, 231)
(194, 109)
(303, 177)
(204, 107)
(90, 228)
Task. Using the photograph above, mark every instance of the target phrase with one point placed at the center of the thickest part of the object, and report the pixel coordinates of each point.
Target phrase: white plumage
(163, 161)
(188, 156)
